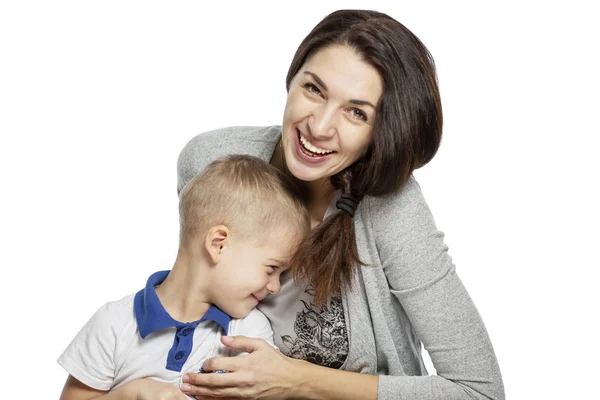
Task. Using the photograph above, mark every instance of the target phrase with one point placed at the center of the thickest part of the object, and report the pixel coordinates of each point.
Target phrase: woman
(374, 280)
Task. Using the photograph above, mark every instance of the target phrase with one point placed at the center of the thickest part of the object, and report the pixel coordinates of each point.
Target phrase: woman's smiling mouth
(308, 149)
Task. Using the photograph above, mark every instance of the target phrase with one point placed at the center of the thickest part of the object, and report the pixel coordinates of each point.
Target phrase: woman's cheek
(298, 107)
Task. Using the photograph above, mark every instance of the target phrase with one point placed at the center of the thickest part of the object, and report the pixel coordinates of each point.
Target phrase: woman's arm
(265, 373)
(205, 148)
(422, 278)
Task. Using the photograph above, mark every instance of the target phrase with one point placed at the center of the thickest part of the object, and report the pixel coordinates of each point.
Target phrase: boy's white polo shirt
(135, 338)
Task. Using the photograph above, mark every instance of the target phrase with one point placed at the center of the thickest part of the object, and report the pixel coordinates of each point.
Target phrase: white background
(98, 98)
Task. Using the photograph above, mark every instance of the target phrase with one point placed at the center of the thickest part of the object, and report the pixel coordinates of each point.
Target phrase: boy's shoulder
(254, 325)
(121, 306)
(114, 313)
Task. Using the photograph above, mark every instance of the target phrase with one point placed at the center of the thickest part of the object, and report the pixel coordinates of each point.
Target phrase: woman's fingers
(203, 393)
(262, 373)
(222, 364)
(210, 380)
(244, 343)
(214, 385)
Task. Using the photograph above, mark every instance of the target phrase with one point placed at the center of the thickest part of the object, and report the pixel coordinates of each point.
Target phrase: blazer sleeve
(423, 279)
(201, 150)
(198, 153)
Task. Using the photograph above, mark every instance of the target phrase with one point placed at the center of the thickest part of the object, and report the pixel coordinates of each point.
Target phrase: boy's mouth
(258, 299)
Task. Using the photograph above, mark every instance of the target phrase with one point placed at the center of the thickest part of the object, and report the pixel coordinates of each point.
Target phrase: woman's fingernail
(185, 387)
(227, 339)
(185, 378)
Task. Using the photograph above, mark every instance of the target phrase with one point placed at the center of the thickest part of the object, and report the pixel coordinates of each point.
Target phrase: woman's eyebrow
(324, 86)
(361, 103)
(316, 78)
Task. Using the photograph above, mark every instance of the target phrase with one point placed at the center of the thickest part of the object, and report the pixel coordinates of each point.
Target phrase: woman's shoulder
(231, 140)
(236, 133)
(404, 210)
(206, 147)
(409, 195)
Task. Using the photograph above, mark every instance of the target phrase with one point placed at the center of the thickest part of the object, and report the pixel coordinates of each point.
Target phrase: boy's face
(249, 270)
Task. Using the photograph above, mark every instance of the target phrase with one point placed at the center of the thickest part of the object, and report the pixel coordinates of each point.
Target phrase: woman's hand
(264, 373)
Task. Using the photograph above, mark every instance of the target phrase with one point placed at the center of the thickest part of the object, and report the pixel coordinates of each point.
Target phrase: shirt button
(185, 332)
(179, 355)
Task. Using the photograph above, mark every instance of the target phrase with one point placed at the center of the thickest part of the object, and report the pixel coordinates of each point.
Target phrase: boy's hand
(148, 389)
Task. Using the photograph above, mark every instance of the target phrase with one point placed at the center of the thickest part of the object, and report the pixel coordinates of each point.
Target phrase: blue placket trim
(183, 343)
(151, 317)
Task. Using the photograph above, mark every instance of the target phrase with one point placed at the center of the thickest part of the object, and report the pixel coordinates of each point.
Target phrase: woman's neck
(316, 194)
(318, 197)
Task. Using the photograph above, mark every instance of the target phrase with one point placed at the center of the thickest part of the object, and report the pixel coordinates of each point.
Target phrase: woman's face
(329, 114)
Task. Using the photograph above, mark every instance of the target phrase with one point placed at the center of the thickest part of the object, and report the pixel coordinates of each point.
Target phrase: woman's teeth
(313, 149)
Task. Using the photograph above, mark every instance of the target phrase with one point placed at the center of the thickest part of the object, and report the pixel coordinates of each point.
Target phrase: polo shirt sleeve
(90, 358)
(255, 325)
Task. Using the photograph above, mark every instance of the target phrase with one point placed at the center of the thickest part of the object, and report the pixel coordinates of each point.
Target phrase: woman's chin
(305, 173)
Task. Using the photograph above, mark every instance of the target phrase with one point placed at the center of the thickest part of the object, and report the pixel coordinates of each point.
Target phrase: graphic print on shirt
(321, 336)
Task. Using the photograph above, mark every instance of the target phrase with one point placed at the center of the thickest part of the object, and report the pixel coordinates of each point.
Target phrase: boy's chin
(238, 312)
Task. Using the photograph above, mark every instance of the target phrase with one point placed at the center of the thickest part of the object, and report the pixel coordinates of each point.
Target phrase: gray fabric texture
(408, 294)
(305, 331)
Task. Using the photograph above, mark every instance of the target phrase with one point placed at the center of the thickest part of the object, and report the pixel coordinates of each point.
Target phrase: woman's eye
(311, 88)
(358, 114)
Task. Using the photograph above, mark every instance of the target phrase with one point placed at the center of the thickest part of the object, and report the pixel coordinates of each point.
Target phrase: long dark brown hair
(406, 134)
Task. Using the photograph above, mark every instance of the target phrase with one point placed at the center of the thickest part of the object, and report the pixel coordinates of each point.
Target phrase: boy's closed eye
(271, 269)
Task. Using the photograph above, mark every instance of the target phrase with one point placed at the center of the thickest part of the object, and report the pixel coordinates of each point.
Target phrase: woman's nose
(322, 122)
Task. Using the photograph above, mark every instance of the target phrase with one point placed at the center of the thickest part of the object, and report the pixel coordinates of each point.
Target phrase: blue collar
(152, 316)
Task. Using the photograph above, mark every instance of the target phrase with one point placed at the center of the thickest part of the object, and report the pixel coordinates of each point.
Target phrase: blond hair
(247, 195)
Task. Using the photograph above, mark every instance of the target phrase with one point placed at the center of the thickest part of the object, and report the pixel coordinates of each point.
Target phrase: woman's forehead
(343, 72)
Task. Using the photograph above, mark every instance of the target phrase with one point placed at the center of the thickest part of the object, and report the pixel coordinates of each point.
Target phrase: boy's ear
(216, 238)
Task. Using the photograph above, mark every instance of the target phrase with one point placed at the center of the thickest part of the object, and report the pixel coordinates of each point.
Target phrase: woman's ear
(217, 237)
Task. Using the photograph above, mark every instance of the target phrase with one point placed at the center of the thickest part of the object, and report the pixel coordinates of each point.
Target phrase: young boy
(241, 220)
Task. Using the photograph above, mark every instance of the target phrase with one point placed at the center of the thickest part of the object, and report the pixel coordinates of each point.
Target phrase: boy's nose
(273, 286)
